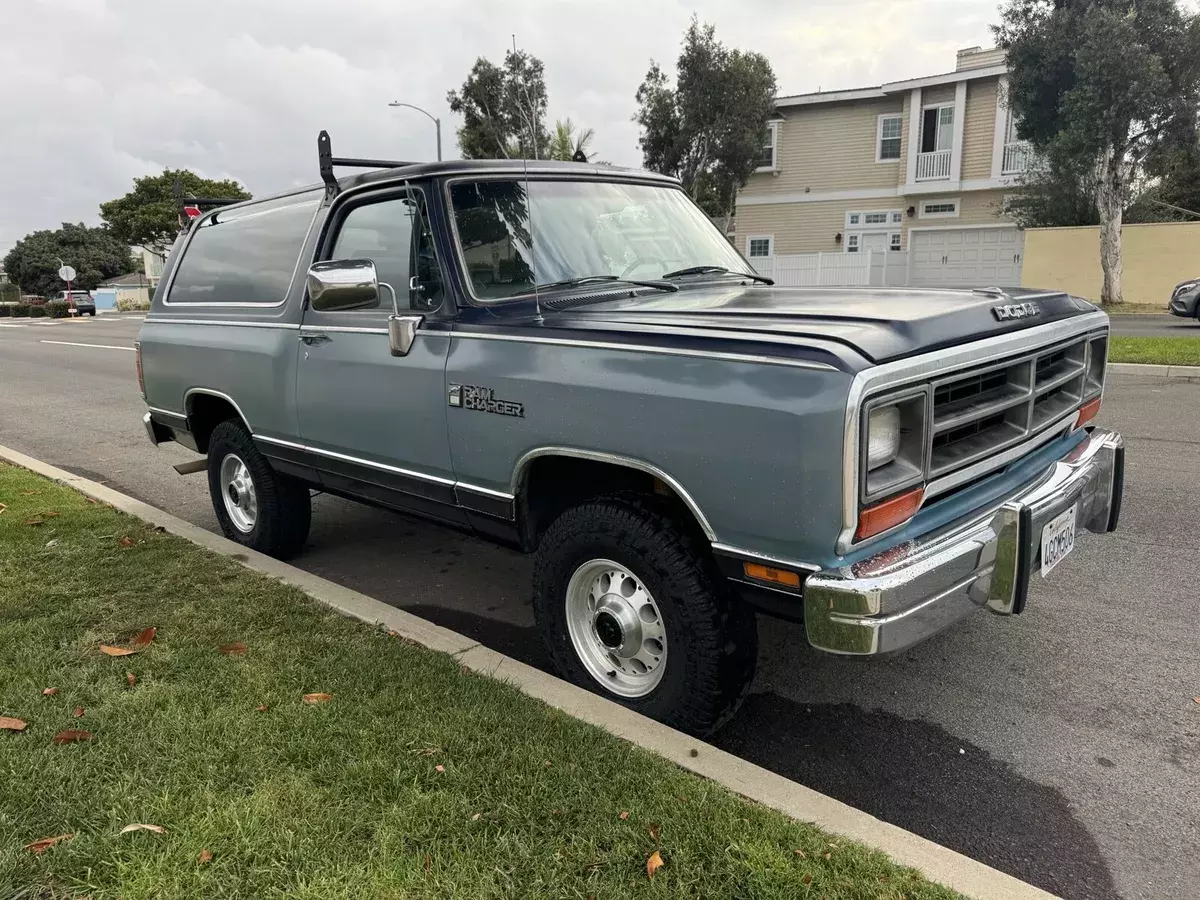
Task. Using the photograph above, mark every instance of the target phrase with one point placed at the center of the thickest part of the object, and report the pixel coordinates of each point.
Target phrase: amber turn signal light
(1087, 412)
(770, 575)
(888, 514)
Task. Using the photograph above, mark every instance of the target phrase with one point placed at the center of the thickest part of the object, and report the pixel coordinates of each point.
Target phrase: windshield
(579, 229)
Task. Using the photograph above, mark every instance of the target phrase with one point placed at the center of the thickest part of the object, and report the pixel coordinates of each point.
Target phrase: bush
(6, 310)
(131, 304)
(20, 310)
(58, 309)
(37, 311)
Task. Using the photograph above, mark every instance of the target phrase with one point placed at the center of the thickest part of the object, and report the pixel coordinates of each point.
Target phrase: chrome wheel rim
(237, 490)
(616, 628)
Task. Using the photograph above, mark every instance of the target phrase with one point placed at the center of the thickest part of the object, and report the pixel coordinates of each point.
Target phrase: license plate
(1058, 539)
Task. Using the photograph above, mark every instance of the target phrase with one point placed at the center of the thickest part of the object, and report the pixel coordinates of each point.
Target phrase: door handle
(314, 338)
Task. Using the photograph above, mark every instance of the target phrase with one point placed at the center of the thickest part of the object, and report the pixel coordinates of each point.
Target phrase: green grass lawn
(1169, 351)
(416, 779)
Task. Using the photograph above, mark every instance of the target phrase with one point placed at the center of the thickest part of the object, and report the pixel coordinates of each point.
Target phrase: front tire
(256, 506)
(632, 608)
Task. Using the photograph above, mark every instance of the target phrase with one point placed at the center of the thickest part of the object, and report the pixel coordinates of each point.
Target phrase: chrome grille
(981, 412)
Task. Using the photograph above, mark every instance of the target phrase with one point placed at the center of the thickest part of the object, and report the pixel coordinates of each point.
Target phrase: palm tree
(566, 145)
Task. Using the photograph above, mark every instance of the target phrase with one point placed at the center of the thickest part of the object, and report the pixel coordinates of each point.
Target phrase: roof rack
(327, 161)
(182, 202)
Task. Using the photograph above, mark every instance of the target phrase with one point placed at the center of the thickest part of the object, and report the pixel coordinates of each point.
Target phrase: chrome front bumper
(911, 591)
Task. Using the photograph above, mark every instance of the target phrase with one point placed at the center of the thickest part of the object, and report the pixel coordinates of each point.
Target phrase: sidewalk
(801, 804)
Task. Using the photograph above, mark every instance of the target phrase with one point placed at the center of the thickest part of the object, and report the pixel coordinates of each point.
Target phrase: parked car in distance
(81, 302)
(1185, 299)
(573, 361)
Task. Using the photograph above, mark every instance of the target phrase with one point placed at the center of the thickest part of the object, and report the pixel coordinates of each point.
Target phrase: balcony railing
(933, 166)
(1016, 158)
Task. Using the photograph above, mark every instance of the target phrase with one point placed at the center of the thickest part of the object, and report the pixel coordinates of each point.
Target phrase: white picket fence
(871, 267)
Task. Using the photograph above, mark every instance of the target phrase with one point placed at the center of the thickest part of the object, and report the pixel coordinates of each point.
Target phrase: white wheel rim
(616, 628)
(237, 490)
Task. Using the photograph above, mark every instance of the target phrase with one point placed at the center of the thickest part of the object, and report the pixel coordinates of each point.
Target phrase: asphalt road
(1155, 326)
(1062, 746)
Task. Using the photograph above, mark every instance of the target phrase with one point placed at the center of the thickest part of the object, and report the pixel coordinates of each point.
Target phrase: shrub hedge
(58, 309)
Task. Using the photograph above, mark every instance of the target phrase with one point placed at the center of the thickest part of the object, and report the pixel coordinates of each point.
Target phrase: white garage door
(966, 257)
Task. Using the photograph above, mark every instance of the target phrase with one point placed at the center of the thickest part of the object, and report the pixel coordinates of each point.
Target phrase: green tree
(148, 216)
(1110, 84)
(503, 109)
(1057, 191)
(94, 253)
(567, 144)
(708, 128)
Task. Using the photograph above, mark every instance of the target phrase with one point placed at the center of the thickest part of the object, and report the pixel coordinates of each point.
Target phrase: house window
(897, 218)
(759, 246)
(861, 218)
(937, 128)
(879, 218)
(767, 157)
(853, 218)
(852, 243)
(939, 209)
(894, 241)
(888, 145)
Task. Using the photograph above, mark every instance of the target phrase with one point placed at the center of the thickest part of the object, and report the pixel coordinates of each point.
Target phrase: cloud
(240, 89)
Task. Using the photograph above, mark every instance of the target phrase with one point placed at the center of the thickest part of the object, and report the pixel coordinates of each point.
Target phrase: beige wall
(939, 93)
(1156, 258)
(828, 147)
(979, 128)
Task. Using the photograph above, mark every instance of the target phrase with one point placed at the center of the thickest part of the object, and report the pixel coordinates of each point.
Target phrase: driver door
(372, 423)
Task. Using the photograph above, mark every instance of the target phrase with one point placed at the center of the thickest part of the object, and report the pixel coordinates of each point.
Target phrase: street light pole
(437, 123)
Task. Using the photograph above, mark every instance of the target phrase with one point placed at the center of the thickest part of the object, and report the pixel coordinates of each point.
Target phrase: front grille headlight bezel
(910, 464)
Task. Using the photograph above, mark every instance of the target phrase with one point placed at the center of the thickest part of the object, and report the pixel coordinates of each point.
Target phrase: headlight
(883, 436)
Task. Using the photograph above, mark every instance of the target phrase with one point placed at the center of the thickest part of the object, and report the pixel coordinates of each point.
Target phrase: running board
(191, 468)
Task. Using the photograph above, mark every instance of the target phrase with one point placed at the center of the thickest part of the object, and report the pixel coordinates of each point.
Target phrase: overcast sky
(97, 92)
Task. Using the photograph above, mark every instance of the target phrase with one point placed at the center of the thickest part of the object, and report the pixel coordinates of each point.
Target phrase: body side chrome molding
(225, 397)
(646, 348)
(626, 461)
(486, 492)
(360, 329)
(235, 323)
(371, 464)
(901, 372)
(167, 412)
(773, 560)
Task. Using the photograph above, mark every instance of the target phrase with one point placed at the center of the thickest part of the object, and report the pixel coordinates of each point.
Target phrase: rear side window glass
(244, 255)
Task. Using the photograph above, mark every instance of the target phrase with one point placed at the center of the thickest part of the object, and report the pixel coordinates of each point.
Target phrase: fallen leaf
(8, 723)
(624, 815)
(655, 829)
(391, 634)
(826, 855)
(50, 515)
(29, 493)
(3, 507)
(142, 641)
(90, 499)
(653, 864)
(204, 857)
(141, 826)
(53, 542)
(800, 853)
(130, 678)
(116, 651)
(70, 736)
(49, 692)
(44, 844)
(439, 768)
(262, 707)
(125, 542)
(807, 879)
(78, 712)
(235, 649)
(314, 699)
(475, 818)
(34, 522)
(1197, 699)
(428, 863)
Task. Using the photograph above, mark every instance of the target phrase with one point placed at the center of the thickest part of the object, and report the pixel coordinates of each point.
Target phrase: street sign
(67, 274)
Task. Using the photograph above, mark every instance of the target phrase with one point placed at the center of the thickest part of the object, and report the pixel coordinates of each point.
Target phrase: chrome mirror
(341, 284)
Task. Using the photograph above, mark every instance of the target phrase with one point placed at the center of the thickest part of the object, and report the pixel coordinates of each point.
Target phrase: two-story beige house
(921, 166)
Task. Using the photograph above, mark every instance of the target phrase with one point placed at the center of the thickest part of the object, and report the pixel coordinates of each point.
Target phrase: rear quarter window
(244, 255)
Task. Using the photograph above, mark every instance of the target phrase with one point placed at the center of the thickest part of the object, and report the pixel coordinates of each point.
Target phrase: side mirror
(341, 284)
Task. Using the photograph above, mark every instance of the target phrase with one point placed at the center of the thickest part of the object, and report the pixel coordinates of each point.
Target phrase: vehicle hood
(880, 323)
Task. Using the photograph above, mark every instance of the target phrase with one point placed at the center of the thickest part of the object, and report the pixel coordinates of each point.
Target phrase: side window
(394, 234)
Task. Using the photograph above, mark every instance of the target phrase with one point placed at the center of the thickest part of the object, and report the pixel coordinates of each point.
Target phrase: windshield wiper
(596, 279)
(718, 270)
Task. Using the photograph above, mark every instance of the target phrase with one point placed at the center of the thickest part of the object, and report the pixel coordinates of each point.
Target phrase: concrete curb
(938, 863)
(1187, 372)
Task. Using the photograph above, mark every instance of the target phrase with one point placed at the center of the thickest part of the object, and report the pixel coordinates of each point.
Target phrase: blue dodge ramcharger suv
(571, 360)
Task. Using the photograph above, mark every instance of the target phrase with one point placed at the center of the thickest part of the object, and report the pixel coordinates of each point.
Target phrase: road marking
(98, 346)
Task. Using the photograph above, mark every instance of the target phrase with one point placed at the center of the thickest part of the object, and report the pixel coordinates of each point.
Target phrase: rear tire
(701, 644)
(256, 506)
